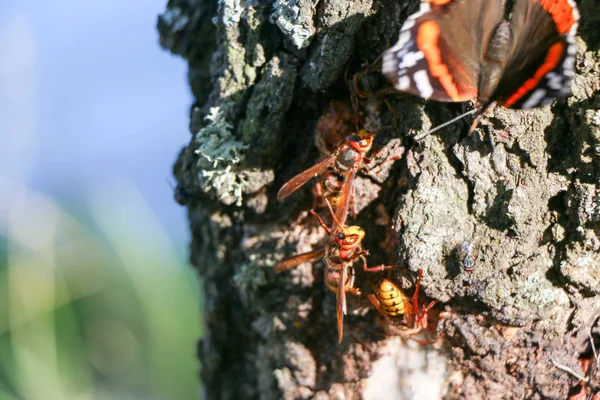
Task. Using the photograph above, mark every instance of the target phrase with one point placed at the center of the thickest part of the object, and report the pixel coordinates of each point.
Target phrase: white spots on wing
(402, 40)
(393, 53)
(404, 55)
(576, 16)
(425, 8)
(403, 83)
(535, 99)
(573, 30)
(411, 59)
(401, 56)
(409, 23)
(568, 66)
(412, 20)
(422, 82)
(555, 81)
(574, 6)
(569, 62)
(389, 63)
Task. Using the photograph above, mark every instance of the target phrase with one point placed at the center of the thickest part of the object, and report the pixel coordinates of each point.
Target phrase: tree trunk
(524, 190)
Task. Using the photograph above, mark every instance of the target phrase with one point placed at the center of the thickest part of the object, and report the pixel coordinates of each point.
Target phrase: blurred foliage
(101, 310)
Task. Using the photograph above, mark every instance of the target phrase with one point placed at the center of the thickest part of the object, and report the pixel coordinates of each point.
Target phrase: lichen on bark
(525, 187)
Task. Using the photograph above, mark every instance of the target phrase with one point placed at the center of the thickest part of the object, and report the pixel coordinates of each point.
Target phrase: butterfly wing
(536, 74)
(439, 52)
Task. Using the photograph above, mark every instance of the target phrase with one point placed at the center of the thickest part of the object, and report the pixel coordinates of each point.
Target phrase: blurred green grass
(94, 304)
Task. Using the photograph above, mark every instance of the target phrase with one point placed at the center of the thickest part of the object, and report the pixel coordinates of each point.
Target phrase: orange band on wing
(439, 2)
(552, 59)
(561, 12)
(427, 42)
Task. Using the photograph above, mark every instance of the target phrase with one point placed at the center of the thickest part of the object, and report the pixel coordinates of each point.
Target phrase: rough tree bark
(525, 189)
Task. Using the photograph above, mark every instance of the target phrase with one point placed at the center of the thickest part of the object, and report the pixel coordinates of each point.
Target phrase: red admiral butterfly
(459, 50)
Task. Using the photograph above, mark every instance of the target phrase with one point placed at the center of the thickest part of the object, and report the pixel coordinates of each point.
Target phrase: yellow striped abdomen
(391, 300)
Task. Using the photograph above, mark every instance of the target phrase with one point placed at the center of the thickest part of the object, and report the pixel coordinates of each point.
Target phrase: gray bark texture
(524, 190)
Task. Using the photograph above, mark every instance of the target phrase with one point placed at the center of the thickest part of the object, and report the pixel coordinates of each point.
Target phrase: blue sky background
(90, 103)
